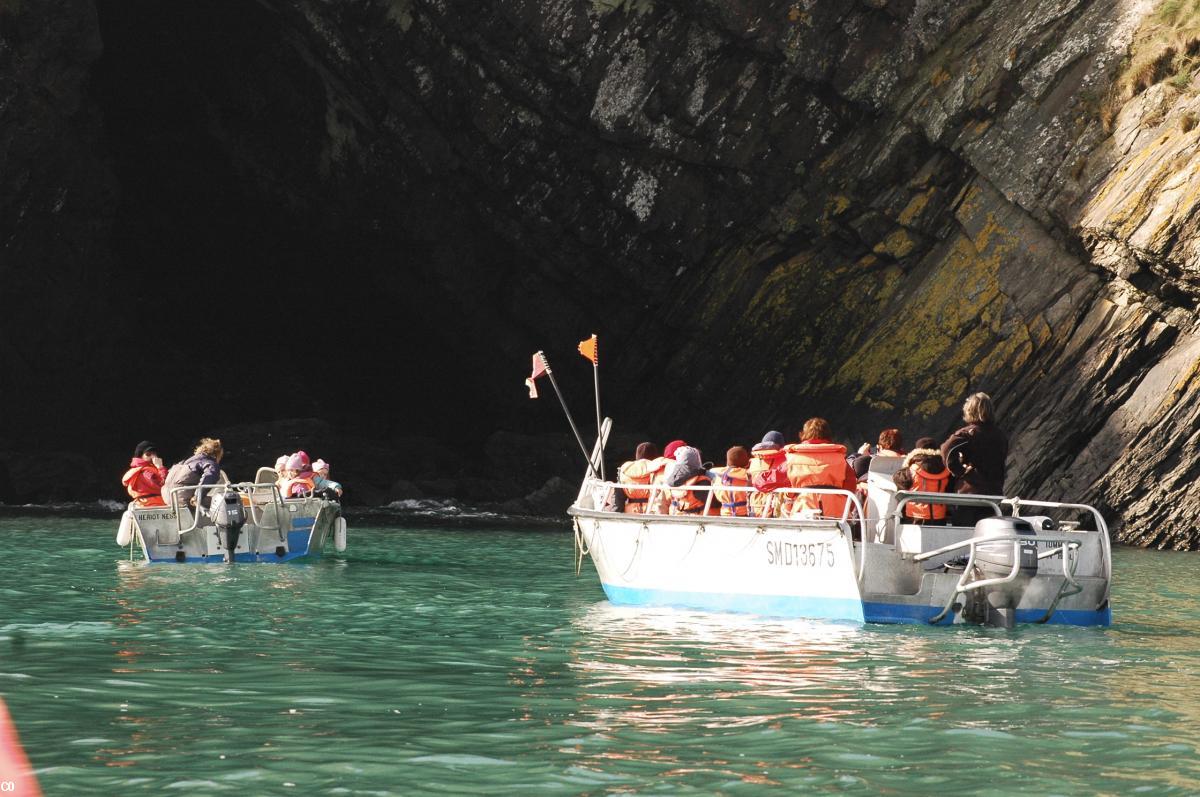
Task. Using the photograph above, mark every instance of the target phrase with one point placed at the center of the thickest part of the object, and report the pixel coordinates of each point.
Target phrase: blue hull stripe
(908, 613)
(819, 608)
(769, 605)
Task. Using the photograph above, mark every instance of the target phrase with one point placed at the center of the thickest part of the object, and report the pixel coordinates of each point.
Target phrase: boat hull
(810, 569)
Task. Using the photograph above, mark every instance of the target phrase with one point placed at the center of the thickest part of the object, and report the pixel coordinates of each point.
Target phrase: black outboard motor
(997, 605)
(229, 516)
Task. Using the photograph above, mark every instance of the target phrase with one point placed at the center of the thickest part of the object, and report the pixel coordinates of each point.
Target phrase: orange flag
(588, 349)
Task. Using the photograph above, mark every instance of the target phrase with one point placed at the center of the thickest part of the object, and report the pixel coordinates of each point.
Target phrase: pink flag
(539, 368)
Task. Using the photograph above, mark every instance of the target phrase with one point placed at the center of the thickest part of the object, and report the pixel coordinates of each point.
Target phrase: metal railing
(217, 491)
(965, 583)
(852, 510)
(997, 502)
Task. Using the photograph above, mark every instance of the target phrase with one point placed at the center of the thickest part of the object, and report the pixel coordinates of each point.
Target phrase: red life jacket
(689, 502)
(926, 482)
(144, 482)
(817, 463)
(734, 503)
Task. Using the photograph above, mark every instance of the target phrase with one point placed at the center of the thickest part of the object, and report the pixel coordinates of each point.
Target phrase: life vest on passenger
(639, 471)
(144, 485)
(734, 503)
(820, 464)
(689, 502)
(298, 486)
(762, 502)
(926, 482)
(661, 496)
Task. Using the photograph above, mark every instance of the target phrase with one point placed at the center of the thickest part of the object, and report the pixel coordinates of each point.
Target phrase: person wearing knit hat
(146, 475)
(687, 472)
(671, 447)
(734, 503)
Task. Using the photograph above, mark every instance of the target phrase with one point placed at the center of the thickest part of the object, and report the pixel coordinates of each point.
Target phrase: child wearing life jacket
(682, 477)
(734, 503)
(146, 475)
(924, 471)
(642, 469)
(767, 473)
(297, 477)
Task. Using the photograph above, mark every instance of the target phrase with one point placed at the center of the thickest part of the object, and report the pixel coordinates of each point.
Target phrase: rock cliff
(768, 210)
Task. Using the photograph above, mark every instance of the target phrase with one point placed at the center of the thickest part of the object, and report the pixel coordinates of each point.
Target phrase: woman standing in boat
(976, 455)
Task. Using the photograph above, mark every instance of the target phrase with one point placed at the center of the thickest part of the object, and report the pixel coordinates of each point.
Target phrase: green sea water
(460, 661)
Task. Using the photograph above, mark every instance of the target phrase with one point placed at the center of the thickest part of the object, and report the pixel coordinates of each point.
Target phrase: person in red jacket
(145, 477)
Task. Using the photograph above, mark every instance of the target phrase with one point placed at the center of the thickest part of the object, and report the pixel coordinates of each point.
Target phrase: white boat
(1032, 562)
(252, 519)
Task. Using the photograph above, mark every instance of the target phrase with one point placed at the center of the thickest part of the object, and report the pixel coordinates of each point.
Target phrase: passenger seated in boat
(642, 469)
(817, 461)
(146, 475)
(734, 503)
(324, 483)
(889, 445)
(976, 456)
(768, 471)
(199, 470)
(660, 497)
(924, 471)
(299, 480)
(685, 473)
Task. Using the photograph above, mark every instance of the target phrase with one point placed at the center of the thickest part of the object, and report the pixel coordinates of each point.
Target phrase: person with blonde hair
(976, 455)
(199, 470)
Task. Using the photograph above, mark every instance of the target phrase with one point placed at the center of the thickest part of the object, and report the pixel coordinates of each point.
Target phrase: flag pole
(596, 383)
(567, 412)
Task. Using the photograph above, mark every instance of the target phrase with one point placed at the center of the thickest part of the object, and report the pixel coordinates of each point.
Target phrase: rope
(637, 548)
(581, 549)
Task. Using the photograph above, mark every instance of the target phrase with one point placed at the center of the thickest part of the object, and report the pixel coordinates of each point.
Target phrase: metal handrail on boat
(1101, 526)
(219, 490)
(1066, 548)
(656, 491)
(997, 502)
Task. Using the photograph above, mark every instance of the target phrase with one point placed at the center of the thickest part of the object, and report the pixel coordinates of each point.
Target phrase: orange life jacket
(689, 502)
(638, 471)
(926, 482)
(813, 464)
(298, 486)
(658, 478)
(734, 503)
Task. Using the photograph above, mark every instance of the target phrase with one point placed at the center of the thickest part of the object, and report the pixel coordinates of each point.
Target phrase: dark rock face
(768, 210)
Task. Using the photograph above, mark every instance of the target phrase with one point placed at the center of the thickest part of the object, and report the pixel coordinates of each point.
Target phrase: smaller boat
(241, 522)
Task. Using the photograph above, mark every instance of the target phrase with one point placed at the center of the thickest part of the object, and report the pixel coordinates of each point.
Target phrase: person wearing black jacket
(976, 454)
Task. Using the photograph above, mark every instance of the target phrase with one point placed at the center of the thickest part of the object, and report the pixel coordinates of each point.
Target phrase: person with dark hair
(734, 503)
(923, 471)
(817, 461)
(646, 463)
(201, 469)
(146, 475)
(976, 455)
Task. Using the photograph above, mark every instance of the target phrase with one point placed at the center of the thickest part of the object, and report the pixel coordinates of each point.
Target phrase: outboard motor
(230, 516)
(997, 605)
